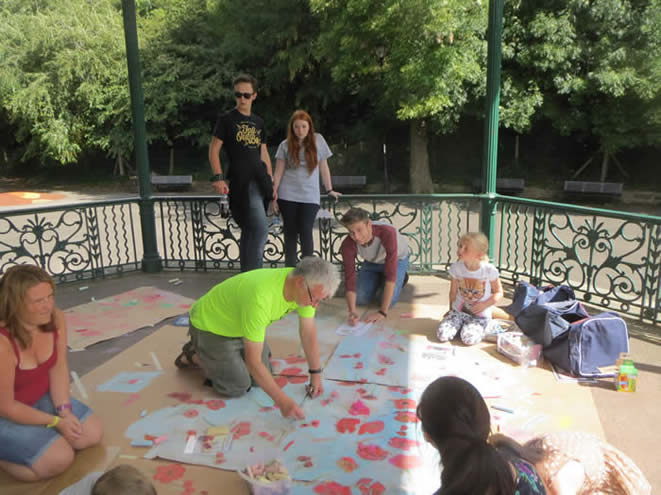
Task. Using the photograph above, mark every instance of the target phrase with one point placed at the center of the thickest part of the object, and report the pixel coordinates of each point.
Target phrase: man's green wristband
(216, 178)
(314, 372)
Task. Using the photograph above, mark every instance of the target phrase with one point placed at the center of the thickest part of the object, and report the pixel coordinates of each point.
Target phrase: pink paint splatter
(403, 443)
(358, 365)
(281, 381)
(359, 408)
(405, 404)
(191, 413)
(405, 461)
(180, 396)
(381, 372)
(371, 427)
(347, 464)
(297, 379)
(347, 425)
(288, 445)
(406, 417)
(371, 452)
(240, 430)
(368, 488)
(383, 359)
(332, 488)
(295, 359)
(292, 371)
(215, 404)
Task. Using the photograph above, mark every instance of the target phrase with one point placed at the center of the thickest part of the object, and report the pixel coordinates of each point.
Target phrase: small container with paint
(267, 478)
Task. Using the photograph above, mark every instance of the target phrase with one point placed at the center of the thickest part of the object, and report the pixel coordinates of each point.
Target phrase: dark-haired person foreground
(41, 426)
(455, 419)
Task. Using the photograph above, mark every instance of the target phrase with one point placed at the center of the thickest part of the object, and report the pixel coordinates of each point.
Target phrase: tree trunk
(516, 149)
(604, 167)
(119, 166)
(420, 174)
(171, 169)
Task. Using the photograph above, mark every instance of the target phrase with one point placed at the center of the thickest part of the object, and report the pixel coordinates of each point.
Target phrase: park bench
(343, 182)
(504, 185)
(579, 189)
(172, 182)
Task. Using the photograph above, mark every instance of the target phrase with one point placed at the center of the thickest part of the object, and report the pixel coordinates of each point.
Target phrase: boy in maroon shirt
(386, 260)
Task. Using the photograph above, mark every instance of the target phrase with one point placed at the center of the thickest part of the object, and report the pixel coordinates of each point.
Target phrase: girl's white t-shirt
(473, 286)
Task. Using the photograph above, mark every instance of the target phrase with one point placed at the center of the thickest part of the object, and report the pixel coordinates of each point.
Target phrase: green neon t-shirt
(245, 304)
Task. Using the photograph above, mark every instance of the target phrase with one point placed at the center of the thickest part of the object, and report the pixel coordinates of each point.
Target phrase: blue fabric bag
(544, 322)
(590, 344)
(526, 294)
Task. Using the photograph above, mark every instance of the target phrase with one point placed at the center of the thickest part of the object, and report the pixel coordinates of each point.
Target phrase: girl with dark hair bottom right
(455, 419)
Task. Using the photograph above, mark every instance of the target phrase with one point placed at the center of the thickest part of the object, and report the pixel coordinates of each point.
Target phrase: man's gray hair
(316, 271)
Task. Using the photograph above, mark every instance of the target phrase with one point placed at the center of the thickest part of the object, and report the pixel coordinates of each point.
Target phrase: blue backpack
(590, 344)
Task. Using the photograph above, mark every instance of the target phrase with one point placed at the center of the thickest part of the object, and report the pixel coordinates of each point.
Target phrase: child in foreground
(474, 290)
(122, 479)
(455, 419)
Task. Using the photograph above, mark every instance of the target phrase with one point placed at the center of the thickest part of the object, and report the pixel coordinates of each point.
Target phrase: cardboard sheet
(538, 403)
(113, 316)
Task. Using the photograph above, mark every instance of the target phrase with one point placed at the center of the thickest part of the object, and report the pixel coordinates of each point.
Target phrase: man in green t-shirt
(228, 325)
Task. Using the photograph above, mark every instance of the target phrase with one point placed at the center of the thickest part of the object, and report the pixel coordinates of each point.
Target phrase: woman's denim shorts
(24, 444)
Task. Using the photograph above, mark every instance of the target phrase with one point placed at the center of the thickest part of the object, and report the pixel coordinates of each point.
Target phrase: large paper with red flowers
(363, 435)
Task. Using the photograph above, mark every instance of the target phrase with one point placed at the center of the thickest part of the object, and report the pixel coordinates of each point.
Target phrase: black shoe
(406, 279)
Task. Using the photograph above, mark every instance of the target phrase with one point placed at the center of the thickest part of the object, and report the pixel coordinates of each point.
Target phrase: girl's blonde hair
(14, 285)
(479, 241)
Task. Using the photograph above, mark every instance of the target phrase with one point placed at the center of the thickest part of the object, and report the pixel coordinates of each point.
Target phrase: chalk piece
(143, 413)
(178, 282)
(173, 280)
(93, 299)
(160, 439)
(217, 431)
(84, 287)
(406, 315)
(79, 385)
(142, 443)
(190, 444)
(156, 361)
(504, 409)
(125, 456)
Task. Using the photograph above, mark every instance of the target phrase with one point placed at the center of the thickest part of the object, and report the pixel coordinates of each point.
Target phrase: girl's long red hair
(309, 142)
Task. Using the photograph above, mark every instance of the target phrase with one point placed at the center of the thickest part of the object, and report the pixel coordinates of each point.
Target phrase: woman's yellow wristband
(56, 420)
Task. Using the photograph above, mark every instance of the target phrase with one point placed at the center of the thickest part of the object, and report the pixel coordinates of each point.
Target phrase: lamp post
(381, 55)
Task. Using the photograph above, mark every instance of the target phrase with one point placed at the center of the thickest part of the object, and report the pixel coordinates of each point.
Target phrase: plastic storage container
(260, 485)
(519, 348)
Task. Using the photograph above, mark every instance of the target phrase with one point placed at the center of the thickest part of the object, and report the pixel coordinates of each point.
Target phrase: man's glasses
(239, 94)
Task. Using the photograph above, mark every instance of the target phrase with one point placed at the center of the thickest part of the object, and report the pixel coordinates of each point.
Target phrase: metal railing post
(151, 261)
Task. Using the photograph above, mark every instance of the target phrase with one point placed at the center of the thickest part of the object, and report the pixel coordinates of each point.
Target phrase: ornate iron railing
(612, 259)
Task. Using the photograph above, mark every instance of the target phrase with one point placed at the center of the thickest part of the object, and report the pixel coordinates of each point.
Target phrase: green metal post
(490, 157)
(151, 261)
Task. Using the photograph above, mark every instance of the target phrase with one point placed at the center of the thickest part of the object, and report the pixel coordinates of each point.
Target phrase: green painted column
(151, 261)
(490, 150)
